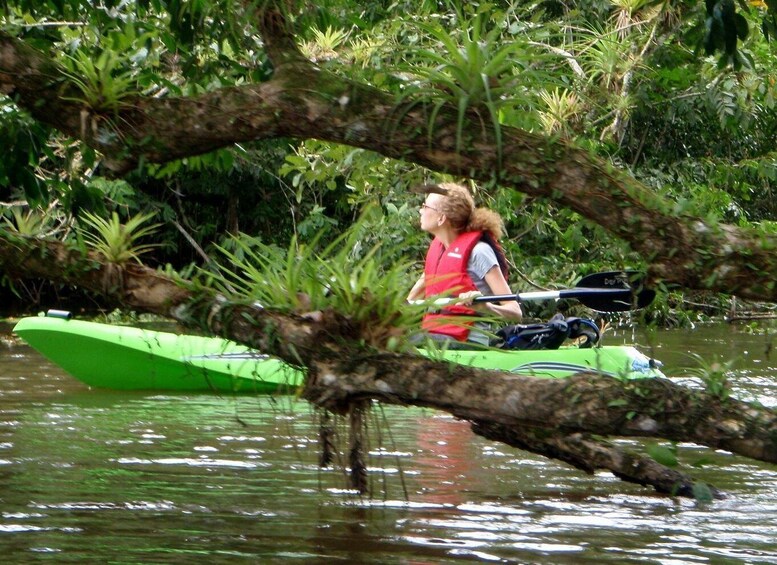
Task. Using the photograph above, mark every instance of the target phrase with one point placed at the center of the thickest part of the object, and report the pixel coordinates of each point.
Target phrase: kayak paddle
(612, 291)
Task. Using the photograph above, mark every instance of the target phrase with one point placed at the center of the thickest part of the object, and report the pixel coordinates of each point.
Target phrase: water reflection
(103, 476)
(445, 460)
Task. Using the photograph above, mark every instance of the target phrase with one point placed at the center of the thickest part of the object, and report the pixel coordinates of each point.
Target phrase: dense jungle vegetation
(641, 84)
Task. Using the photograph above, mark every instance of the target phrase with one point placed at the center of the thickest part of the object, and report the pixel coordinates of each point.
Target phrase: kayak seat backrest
(585, 331)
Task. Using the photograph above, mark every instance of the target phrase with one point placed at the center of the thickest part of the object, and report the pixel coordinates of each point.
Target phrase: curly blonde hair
(459, 207)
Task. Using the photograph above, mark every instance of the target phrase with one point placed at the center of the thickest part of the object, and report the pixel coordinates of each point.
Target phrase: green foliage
(116, 241)
(316, 277)
(606, 55)
(702, 492)
(713, 374)
(563, 106)
(472, 68)
(332, 184)
(102, 85)
(33, 222)
(324, 44)
(666, 455)
(23, 143)
(118, 192)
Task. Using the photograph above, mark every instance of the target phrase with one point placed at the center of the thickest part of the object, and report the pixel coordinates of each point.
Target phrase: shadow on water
(149, 477)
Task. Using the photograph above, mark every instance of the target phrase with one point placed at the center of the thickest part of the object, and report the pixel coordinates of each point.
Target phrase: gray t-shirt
(481, 260)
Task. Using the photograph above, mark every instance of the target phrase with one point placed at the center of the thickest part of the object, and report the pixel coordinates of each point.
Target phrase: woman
(463, 260)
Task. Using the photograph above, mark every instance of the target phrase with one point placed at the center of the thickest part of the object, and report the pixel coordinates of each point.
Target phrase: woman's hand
(466, 298)
(509, 309)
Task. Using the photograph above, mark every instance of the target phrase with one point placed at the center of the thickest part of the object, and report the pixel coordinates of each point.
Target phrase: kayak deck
(129, 358)
(619, 361)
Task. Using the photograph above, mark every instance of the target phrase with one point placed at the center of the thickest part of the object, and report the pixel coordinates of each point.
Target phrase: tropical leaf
(305, 279)
(116, 241)
(102, 84)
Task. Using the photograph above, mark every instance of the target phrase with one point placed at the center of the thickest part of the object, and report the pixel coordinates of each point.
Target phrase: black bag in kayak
(548, 335)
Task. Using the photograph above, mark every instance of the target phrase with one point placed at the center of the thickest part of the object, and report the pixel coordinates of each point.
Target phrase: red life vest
(446, 273)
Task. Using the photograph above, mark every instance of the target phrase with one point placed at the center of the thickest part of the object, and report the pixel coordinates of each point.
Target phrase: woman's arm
(417, 292)
(510, 309)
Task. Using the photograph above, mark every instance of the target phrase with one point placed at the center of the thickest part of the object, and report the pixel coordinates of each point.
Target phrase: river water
(88, 475)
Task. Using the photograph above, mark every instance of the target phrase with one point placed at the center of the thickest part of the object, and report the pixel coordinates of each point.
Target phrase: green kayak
(129, 358)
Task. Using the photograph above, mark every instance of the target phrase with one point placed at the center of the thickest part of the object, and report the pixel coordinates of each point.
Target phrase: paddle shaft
(614, 291)
(578, 293)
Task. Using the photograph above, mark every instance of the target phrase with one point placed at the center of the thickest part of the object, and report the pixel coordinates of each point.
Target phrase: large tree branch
(303, 101)
(342, 372)
(589, 455)
(551, 417)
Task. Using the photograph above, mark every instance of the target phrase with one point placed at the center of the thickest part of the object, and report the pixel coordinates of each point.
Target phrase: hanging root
(356, 452)
(326, 437)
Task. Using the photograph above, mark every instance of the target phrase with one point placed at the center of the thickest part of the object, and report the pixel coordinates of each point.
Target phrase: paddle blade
(633, 293)
(613, 279)
(617, 301)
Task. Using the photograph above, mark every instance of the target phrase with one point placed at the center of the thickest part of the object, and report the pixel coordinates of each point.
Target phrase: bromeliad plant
(563, 107)
(324, 44)
(473, 68)
(33, 222)
(103, 86)
(116, 241)
(303, 279)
